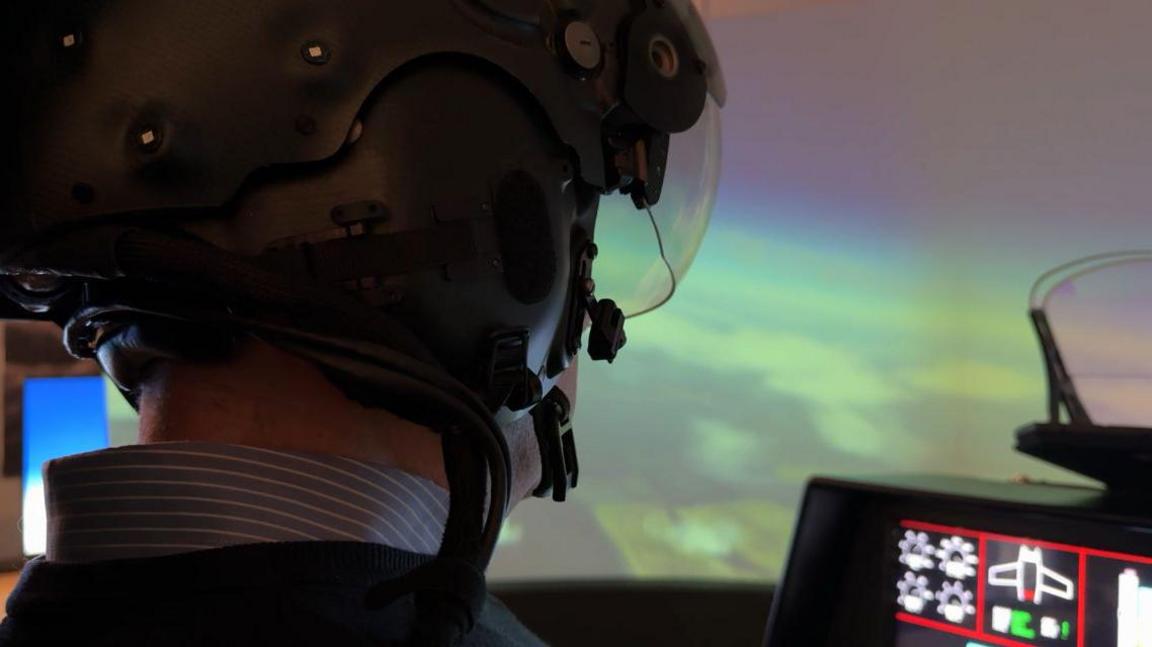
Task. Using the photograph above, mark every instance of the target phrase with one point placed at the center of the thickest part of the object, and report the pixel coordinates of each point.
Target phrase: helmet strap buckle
(509, 381)
(560, 468)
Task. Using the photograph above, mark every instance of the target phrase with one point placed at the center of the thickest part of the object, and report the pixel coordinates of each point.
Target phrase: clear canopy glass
(1100, 312)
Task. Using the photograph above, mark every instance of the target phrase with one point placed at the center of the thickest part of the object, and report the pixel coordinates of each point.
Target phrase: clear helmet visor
(1100, 313)
(645, 255)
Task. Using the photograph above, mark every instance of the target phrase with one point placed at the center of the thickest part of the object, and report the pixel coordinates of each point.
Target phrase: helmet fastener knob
(582, 45)
(664, 57)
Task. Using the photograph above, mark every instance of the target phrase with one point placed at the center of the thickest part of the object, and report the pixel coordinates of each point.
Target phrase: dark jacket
(307, 593)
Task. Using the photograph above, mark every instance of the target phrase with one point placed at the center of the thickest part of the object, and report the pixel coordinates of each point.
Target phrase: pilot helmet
(418, 197)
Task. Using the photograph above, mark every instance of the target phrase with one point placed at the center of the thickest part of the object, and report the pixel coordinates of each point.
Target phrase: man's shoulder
(500, 627)
(286, 594)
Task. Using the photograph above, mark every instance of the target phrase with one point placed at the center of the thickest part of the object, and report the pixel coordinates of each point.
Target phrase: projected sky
(896, 174)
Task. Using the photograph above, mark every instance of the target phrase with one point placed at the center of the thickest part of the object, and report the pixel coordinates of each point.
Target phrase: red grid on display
(1082, 552)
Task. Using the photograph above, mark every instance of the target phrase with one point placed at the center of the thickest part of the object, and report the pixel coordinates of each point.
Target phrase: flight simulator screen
(51, 430)
(969, 588)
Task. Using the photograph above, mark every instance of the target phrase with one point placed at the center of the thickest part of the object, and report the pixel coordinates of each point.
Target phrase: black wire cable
(667, 264)
(478, 425)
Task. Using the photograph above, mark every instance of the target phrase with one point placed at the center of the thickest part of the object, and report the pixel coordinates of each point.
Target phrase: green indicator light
(1021, 626)
(1065, 630)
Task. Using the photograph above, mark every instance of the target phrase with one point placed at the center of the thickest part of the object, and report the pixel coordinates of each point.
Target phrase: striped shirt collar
(168, 498)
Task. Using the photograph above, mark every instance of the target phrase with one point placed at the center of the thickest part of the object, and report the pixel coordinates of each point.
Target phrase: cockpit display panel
(966, 587)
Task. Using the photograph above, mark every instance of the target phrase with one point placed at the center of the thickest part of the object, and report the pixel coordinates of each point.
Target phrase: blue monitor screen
(62, 415)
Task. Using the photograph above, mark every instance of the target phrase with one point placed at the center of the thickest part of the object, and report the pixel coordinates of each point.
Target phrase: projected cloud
(896, 174)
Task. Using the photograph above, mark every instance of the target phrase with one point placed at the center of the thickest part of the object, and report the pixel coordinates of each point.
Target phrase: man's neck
(264, 397)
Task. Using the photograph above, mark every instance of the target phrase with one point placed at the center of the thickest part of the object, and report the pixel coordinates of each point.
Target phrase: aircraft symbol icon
(1031, 578)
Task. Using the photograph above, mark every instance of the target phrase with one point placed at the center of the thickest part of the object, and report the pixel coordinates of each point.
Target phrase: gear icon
(955, 603)
(916, 551)
(957, 557)
(914, 593)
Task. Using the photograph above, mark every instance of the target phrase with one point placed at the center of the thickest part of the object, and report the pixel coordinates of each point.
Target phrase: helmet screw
(149, 139)
(71, 39)
(316, 52)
